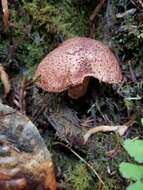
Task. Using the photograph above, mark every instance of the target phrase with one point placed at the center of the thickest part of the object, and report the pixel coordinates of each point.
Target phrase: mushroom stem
(79, 90)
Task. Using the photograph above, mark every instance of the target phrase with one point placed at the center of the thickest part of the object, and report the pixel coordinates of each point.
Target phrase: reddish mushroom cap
(74, 60)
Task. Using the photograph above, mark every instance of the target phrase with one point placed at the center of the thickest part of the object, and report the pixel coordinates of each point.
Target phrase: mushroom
(69, 66)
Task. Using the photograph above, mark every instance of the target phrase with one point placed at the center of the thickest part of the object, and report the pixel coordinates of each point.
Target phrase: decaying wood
(67, 124)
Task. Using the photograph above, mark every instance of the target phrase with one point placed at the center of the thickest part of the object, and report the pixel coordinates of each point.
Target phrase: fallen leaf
(5, 80)
(5, 14)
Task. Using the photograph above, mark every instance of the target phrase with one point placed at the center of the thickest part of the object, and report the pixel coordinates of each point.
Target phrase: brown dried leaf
(66, 123)
(5, 80)
(5, 14)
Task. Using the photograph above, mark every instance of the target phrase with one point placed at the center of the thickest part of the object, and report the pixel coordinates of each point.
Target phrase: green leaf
(135, 149)
(131, 171)
(135, 186)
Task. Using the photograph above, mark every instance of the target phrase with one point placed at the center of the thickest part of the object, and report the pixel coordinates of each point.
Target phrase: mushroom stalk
(79, 90)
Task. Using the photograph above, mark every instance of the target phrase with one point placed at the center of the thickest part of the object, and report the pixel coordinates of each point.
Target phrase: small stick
(96, 10)
(133, 76)
(5, 80)
(84, 161)
(120, 129)
(5, 14)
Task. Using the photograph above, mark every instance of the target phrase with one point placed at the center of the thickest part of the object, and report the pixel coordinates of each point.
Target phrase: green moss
(29, 55)
(80, 178)
(35, 26)
(3, 51)
(56, 17)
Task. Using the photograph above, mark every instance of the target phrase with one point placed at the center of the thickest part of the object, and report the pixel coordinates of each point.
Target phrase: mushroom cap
(74, 60)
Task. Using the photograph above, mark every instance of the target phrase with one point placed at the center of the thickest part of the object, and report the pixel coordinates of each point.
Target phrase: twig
(96, 10)
(141, 3)
(133, 76)
(126, 13)
(104, 128)
(38, 112)
(83, 160)
(5, 114)
(120, 129)
(5, 14)
(5, 80)
(20, 95)
(36, 79)
(137, 3)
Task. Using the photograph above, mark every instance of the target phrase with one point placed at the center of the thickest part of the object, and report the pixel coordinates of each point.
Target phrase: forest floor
(37, 27)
